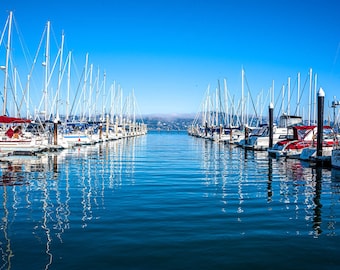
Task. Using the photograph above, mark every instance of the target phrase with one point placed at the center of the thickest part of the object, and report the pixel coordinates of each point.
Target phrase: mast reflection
(54, 186)
(290, 187)
(5, 246)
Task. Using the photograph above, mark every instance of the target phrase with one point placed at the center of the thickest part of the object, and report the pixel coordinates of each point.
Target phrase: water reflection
(317, 202)
(17, 177)
(270, 180)
(39, 193)
(5, 245)
(47, 198)
(290, 188)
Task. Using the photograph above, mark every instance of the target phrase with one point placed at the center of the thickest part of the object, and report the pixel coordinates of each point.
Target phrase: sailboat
(13, 135)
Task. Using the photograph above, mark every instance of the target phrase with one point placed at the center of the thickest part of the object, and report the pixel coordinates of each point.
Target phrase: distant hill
(168, 121)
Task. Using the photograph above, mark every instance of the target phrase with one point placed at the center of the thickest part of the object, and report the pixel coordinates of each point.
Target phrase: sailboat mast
(298, 95)
(310, 96)
(228, 122)
(28, 97)
(134, 106)
(97, 94)
(242, 98)
(68, 85)
(113, 96)
(216, 108)
(90, 95)
(315, 98)
(288, 97)
(7, 62)
(104, 96)
(283, 99)
(46, 64)
(16, 108)
(60, 74)
(84, 87)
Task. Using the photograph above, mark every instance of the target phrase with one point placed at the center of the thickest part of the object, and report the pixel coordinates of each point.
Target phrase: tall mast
(226, 103)
(242, 98)
(7, 62)
(134, 106)
(121, 104)
(84, 88)
(315, 98)
(216, 107)
(16, 109)
(90, 108)
(113, 96)
(104, 96)
(298, 95)
(68, 85)
(310, 96)
(46, 65)
(283, 99)
(288, 97)
(60, 74)
(94, 109)
(28, 98)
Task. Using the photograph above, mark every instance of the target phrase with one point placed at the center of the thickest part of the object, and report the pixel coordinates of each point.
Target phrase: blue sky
(170, 51)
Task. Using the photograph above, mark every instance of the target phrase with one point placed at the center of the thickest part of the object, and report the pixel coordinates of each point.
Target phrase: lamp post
(335, 103)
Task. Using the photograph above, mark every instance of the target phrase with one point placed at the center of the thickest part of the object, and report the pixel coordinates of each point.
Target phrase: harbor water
(167, 200)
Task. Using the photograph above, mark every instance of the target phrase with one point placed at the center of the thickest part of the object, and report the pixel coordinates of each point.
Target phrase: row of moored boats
(22, 136)
(290, 139)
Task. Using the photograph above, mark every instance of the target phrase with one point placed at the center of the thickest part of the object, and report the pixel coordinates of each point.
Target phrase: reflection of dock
(32, 151)
(25, 184)
(290, 188)
(13, 169)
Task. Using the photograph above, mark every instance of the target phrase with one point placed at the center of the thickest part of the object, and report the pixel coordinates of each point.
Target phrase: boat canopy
(7, 120)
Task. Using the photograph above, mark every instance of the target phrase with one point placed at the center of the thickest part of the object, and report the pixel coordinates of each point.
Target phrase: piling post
(246, 134)
(55, 164)
(55, 131)
(271, 124)
(100, 131)
(321, 100)
(116, 126)
(107, 126)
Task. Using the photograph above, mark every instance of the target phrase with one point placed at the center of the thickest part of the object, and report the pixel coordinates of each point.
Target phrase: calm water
(167, 201)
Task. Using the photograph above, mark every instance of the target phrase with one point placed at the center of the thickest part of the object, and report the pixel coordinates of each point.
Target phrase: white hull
(22, 144)
(71, 140)
(262, 142)
(284, 151)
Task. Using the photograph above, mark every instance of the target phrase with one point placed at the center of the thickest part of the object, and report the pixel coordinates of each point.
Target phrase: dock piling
(271, 123)
(321, 99)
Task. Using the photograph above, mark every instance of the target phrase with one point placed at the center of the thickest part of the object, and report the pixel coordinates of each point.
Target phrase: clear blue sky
(170, 51)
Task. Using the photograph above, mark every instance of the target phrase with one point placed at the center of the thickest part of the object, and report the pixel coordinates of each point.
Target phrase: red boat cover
(7, 119)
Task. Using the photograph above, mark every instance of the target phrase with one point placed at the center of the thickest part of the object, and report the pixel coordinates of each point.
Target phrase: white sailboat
(13, 136)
